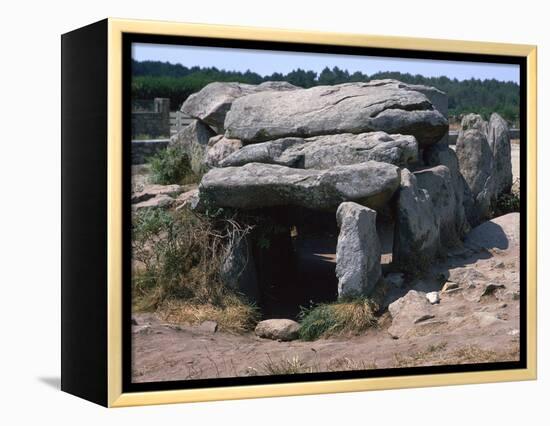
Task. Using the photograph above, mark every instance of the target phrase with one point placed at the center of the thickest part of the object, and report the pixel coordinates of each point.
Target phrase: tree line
(152, 79)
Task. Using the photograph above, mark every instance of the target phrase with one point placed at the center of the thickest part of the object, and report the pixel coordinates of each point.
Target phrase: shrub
(177, 258)
(348, 316)
(506, 203)
(172, 165)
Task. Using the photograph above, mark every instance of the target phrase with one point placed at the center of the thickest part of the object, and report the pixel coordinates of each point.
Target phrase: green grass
(343, 317)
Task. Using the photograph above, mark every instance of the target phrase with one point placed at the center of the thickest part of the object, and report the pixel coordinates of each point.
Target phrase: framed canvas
(254, 212)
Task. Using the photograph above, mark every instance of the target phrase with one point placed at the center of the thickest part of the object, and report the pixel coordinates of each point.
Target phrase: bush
(351, 316)
(506, 203)
(176, 263)
(172, 165)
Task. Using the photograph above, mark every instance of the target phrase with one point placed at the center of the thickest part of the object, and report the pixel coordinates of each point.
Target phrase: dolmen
(353, 150)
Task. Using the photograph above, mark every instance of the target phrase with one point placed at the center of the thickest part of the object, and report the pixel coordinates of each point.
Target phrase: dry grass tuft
(346, 317)
(235, 317)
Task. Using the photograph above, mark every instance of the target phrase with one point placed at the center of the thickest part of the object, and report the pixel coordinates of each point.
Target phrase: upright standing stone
(438, 182)
(477, 162)
(358, 250)
(416, 236)
(499, 142)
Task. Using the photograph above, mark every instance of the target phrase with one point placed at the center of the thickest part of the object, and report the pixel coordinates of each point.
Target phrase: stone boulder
(357, 251)
(501, 233)
(323, 152)
(408, 311)
(278, 329)
(484, 156)
(219, 147)
(193, 139)
(474, 157)
(416, 236)
(438, 182)
(211, 104)
(499, 143)
(256, 185)
(441, 155)
(343, 108)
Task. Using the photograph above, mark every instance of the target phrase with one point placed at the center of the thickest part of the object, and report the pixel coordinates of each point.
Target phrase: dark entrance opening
(295, 256)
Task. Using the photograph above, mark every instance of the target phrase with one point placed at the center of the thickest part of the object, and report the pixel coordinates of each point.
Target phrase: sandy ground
(467, 326)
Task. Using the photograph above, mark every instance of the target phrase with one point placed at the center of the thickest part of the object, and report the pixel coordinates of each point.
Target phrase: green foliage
(171, 165)
(347, 316)
(161, 79)
(506, 203)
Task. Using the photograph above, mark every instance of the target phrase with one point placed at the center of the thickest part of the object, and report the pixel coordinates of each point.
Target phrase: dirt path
(468, 326)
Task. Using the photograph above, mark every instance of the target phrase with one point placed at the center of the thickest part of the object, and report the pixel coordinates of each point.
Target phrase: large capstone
(193, 139)
(257, 185)
(211, 104)
(324, 152)
(358, 250)
(343, 108)
(438, 98)
(416, 236)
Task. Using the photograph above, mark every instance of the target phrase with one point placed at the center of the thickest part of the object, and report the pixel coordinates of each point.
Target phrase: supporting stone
(358, 251)
(416, 237)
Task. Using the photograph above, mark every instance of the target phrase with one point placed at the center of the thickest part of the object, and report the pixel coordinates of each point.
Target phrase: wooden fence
(178, 121)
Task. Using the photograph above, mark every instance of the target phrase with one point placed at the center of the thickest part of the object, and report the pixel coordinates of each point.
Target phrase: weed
(351, 316)
(172, 165)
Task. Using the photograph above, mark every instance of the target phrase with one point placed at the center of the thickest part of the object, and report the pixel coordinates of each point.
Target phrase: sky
(267, 62)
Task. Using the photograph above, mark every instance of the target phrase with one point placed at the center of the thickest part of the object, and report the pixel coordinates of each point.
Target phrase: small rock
(411, 309)
(208, 326)
(503, 305)
(490, 289)
(278, 329)
(433, 297)
(500, 265)
(513, 332)
(134, 321)
(449, 286)
(188, 199)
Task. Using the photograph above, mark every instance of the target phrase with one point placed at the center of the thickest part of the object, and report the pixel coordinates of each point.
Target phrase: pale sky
(266, 62)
